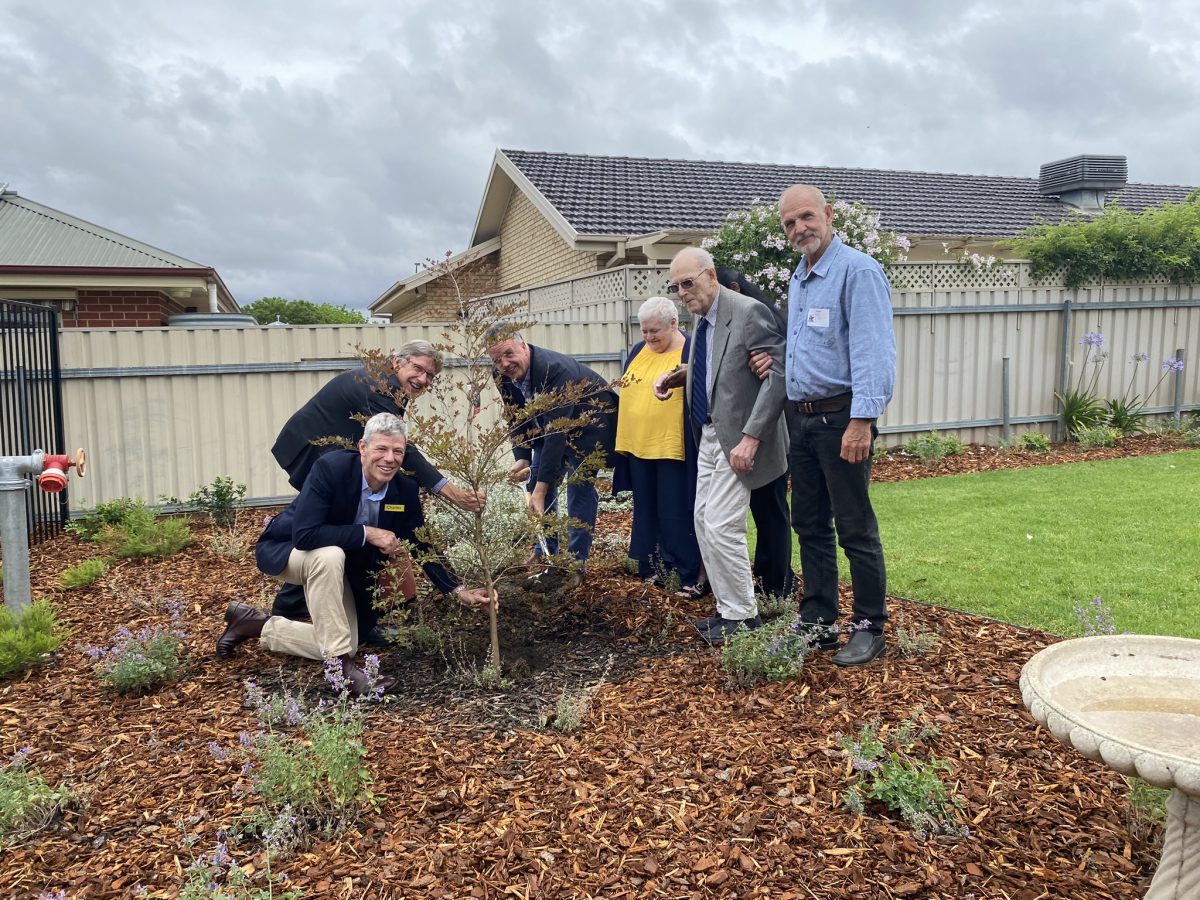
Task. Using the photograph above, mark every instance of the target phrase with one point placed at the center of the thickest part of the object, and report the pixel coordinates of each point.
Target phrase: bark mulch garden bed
(676, 785)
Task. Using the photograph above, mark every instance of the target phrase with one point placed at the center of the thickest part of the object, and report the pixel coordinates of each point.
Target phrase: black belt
(828, 405)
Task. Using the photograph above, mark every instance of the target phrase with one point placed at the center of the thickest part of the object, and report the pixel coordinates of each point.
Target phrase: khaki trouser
(722, 501)
(334, 628)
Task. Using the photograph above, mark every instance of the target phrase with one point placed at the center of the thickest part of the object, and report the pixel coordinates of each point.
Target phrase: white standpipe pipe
(14, 535)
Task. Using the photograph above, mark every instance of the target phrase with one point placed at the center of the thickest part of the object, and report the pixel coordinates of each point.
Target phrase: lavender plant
(775, 652)
(304, 765)
(753, 241)
(137, 663)
(27, 802)
(1094, 618)
(216, 874)
(886, 767)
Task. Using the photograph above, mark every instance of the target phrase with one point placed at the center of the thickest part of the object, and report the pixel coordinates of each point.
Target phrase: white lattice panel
(550, 296)
(648, 281)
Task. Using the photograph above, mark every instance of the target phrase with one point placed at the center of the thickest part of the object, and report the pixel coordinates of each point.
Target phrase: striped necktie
(700, 376)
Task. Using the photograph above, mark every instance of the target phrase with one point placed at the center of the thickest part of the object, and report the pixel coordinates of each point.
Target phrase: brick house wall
(438, 298)
(532, 252)
(121, 308)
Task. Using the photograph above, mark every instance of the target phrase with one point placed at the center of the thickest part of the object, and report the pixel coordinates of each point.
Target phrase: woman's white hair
(658, 307)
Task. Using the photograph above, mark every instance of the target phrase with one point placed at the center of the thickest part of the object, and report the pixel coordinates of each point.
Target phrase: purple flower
(1139, 358)
(218, 751)
(1172, 365)
(1092, 339)
(334, 676)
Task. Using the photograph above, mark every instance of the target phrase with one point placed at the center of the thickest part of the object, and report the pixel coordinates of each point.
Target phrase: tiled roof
(32, 234)
(631, 196)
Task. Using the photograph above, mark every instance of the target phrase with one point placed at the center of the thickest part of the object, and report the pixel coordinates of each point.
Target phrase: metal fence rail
(31, 406)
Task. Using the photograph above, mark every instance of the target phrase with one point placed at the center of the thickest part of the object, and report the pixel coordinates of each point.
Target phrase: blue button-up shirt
(368, 507)
(840, 335)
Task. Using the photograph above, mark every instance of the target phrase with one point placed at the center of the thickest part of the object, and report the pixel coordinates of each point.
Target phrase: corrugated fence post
(1005, 412)
(1064, 368)
(1178, 375)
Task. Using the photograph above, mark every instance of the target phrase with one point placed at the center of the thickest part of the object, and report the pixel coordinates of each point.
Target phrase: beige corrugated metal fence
(164, 411)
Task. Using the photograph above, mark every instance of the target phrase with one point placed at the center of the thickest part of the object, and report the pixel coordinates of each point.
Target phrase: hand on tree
(477, 597)
(519, 473)
(471, 501)
(386, 541)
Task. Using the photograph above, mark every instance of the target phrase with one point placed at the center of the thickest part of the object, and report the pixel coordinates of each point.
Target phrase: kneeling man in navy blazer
(354, 512)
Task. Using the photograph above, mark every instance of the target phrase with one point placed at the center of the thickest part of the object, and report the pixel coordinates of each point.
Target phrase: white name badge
(818, 317)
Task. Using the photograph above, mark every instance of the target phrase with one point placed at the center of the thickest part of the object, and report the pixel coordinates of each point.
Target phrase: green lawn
(1024, 545)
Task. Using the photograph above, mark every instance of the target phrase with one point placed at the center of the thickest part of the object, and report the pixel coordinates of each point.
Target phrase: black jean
(831, 506)
(773, 546)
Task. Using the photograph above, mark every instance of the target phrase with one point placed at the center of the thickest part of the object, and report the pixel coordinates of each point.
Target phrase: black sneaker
(723, 628)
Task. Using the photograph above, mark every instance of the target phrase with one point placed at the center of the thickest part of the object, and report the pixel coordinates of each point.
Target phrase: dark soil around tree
(675, 785)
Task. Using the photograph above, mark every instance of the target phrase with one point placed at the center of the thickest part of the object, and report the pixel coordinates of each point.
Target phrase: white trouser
(334, 628)
(722, 502)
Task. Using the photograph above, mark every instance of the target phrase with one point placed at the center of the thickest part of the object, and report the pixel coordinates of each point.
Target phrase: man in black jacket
(354, 512)
(332, 411)
(544, 453)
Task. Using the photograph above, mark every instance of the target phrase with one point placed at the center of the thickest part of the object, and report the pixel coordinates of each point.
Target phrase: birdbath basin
(1132, 702)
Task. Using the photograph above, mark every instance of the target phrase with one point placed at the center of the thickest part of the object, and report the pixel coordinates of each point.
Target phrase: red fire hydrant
(53, 477)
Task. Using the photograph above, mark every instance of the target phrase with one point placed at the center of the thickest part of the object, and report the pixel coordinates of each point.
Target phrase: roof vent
(1083, 181)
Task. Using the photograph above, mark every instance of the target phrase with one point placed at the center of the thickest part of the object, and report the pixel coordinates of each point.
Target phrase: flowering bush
(217, 875)
(752, 241)
(1081, 408)
(139, 663)
(1094, 618)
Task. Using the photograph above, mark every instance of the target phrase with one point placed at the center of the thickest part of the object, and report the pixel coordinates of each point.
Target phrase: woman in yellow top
(657, 454)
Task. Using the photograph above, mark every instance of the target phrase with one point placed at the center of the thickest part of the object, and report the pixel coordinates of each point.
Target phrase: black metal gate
(31, 415)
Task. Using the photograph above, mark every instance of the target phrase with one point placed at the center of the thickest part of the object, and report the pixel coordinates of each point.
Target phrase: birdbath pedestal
(1133, 703)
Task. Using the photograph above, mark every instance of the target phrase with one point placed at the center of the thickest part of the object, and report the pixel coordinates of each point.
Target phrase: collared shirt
(368, 507)
(525, 386)
(840, 335)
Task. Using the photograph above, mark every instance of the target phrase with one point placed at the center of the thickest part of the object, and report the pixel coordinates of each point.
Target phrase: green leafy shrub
(774, 652)
(1118, 245)
(140, 534)
(139, 663)
(932, 447)
(1191, 437)
(1034, 441)
(27, 803)
(221, 500)
(571, 709)
(87, 572)
(1147, 808)
(92, 522)
(1095, 436)
(27, 637)
(886, 768)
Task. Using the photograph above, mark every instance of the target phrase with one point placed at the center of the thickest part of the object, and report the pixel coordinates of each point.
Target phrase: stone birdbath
(1132, 702)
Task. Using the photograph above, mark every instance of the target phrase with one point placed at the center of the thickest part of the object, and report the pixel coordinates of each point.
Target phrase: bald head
(694, 278)
(807, 220)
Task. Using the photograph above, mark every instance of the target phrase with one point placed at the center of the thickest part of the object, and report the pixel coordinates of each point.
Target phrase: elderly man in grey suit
(739, 427)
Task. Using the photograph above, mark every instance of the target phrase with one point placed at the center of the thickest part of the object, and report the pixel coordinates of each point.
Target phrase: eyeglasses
(421, 370)
(684, 284)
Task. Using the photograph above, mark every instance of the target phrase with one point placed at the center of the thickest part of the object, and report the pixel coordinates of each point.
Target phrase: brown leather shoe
(242, 623)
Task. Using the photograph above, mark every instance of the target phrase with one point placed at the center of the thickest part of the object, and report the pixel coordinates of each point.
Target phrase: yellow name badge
(393, 507)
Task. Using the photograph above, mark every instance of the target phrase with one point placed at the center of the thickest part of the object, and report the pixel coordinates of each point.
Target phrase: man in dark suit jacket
(543, 453)
(738, 422)
(332, 411)
(353, 513)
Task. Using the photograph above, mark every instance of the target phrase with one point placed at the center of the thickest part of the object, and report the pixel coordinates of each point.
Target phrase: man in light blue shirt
(840, 369)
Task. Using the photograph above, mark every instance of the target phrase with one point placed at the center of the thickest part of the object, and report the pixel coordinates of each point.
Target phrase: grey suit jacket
(739, 403)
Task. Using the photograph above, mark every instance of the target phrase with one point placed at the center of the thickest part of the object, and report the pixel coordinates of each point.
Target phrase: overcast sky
(318, 150)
